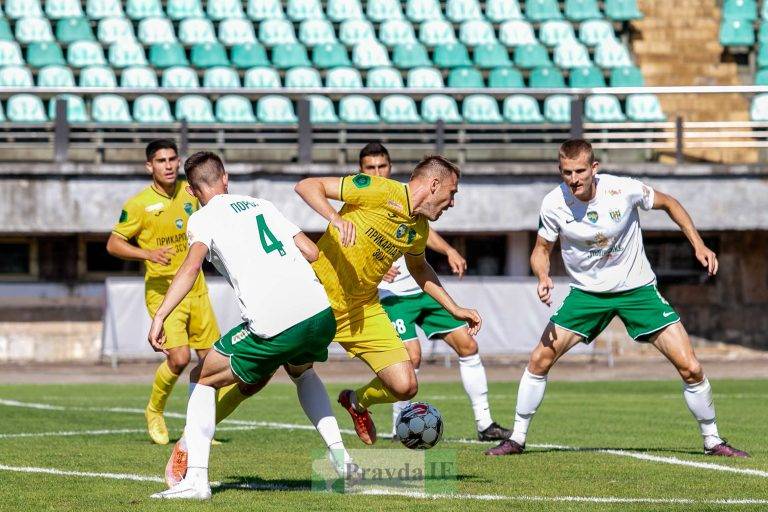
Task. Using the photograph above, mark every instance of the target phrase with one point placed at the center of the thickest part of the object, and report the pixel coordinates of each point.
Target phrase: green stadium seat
(451, 55)
(98, 9)
(236, 31)
(603, 108)
(69, 30)
(425, 78)
(582, 10)
(357, 109)
(321, 110)
(300, 10)
(380, 11)
(232, 108)
(436, 32)
(488, 56)
(276, 31)
(505, 77)
(761, 77)
(151, 108)
(209, 55)
(370, 54)
(759, 109)
(303, 78)
(499, 11)
(522, 109)
(16, 76)
(345, 78)
(179, 77)
(16, 9)
(587, 77)
(112, 30)
(517, 33)
(546, 77)
(85, 53)
(182, 9)
(542, 10)
(762, 56)
(260, 10)
(612, 54)
(262, 78)
(326, 56)
(554, 32)
(110, 109)
(736, 32)
(194, 109)
(286, 56)
(622, 10)
(411, 55)
(740, 9)
(126, 53)
(224, 9)
(644, 108)
(762, 33)
(465, 78)
(352, 32)
(480, 109)
(140, 9)
(437, 107)
(423, 10)
(273, 109)
(156, 30)
(249, 55)
(167, 55)
(58, 9)
(340, 10)
(55, 76)
(384, 78)
(138, 77)
(393, 32)
(764, 11)
(557, 109)
(316, 32)
(476, 32)
(38, 55)
(76, 112)
(25, 108)
(595, 32)
(626, 76)
(530, 56)
(398, 109)
(571, 54)
(97, 76)
(196, 31)
(463, 10)
(33, 30)
(5, 31)
(223, 77)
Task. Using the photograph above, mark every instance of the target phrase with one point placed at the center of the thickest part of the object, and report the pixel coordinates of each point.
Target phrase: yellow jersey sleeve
(130, 221)
(366, 191)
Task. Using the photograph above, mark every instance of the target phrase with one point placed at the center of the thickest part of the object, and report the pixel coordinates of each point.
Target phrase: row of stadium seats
(394, 109)
(737, 24)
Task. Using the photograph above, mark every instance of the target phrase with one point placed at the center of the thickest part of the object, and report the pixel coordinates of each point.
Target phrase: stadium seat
(25, 108)
(517, 33)
(557, 109)
(38, 55)
(546, 77)
(425, 78)
(98, 9)
(182, 9)
(249, 55)
(530, 56)
(463, 10)
(393, 32)
(740, 9)
(260, 10)
(286, 56)
(381, 10)
(465, 78)
(480, 109)
(587, 77)
(736, 32)
(340, 10)
(16, 9)
(626, 76)
(85, 53)
(499, 11)
(762, 56)
(224, 9)
(603, 108)
(97, 76)
(126, 53)
(156, 30)
(180, 77)
(275, 109)
(233, 108)
(110, 109)
(345, 78)
(112, 30)
(196, 31)
(194, 109)
(236, 31)
(5, 31)
(582, 10)
(644, 108)
(326, 56)
(208, 55)
(764, 11)
(398, 109)
(594, 32)
(612, 54)
(505, 77)
(140, 9)
(303, 78)
(352, 32)
(384, 78)
(76, 112)
(542, 10)
(56, 76)
(262, 77)
(69, 30)
(315, 32)
(15, 76)
(488, 56)
(370, 54)
(759, 108)
(436, 32)
(138, 77)
(476, 32)
(452, 55)
(151, 108)
(761, 77)
(357, 109)
(167, 55)
(223, 77)
(622, 10)
(762, 34)
(555, 32)
(321, 110)
(300, 10)
(571, 54)
(522, 109)
(423, 10)
(58, 9)
(411, 55)
(33, 30)
(276, 31)
(437, 107)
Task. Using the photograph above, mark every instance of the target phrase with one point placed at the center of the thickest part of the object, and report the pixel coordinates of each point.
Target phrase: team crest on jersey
(411, 235)
(188, 208)
(402, 229)
(361, 180)
(179, 223)
(592, 216)
(123, 216)
(615, 215)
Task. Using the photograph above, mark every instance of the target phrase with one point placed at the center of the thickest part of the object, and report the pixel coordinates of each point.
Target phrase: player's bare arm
(307, 247)
(540, 266)
(455, 260)
(119, 247)
(316, 192)
(679, 216)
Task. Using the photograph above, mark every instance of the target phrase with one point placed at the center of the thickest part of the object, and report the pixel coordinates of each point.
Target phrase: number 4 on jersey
(268, 240)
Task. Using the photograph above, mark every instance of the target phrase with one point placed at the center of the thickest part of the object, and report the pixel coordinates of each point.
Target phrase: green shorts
(253, 358)
(643, 311)
(420, 309)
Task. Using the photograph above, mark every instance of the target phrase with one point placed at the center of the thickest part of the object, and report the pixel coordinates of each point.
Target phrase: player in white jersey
(596, 219)
(407, 306)
(287, 319)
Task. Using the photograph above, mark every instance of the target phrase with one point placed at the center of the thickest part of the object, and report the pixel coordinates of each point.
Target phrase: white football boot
(185, 490)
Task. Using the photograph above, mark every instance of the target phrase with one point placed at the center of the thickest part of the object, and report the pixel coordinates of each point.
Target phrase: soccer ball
(419, 426)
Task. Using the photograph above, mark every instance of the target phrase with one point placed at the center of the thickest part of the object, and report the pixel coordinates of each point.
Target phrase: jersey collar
(408, 199)
(162, 193)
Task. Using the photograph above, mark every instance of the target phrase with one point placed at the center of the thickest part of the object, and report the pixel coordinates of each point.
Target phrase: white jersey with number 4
(403, 285)
(251, 244)
(601, 241)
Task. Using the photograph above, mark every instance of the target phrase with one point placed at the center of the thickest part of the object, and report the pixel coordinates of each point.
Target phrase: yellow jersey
(386, 228)
(156, 220)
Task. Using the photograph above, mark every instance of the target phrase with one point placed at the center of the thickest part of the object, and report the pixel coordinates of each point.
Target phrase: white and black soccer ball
(419, 426)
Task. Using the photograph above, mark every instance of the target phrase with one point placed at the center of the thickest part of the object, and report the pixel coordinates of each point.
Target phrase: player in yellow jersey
(381, 220)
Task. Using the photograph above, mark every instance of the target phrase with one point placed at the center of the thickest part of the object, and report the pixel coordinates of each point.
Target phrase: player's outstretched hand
(156, 336)
(391, 274)
(708, 259)
(457, 263)
(545, 290)
(346, 230)
(161, 255)
(472, 317)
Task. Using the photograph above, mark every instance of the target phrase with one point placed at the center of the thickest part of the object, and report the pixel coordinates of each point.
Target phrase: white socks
(198, 433)
(314, 400)
(476, 386)
(530, 393)
(698, 397)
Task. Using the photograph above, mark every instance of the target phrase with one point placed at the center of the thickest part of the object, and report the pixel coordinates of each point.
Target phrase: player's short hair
(373, 149)
(574, 148)
(435, 164)
(203, 168)
(158, 144)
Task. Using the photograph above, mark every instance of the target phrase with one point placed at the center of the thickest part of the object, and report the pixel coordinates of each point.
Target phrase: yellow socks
(227, 400)
(161, 387)
(375, 392)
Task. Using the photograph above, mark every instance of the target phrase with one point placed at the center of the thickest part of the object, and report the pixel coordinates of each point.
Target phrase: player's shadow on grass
(614, 448)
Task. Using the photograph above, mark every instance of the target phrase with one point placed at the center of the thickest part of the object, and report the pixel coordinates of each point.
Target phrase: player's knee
(416, 360)
(691, 372)
(405, 390)
(540, 362)
(177, 361)
(467, 348)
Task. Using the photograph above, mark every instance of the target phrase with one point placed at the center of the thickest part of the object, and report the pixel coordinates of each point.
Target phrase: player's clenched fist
(161, 255)
(472, 317)
(156, 335)
(545, 290)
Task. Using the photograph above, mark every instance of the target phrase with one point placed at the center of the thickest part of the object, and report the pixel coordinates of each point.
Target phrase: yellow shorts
(191, 323)
(367, 333)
